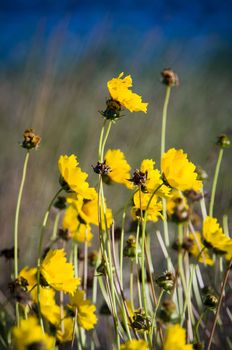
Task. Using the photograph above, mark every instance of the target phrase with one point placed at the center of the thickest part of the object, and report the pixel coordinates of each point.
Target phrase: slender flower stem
(16, 223)
(164, 120)
(44, 224)
(219, 304)
(100, 140)
(162, 150)
(215, 180)
(104, 140)
(132, 283)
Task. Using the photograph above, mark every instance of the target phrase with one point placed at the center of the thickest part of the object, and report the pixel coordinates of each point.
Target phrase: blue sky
(207, 24)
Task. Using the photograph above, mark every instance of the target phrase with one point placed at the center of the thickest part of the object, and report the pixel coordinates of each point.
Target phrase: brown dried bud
(223, 141)
(18, 289)
(139, 179)
(101, 168)
(8, 254)
(167, 311)
(169, 78)
(31, 140)
(141, 321)
(93, 257)
(64, 234)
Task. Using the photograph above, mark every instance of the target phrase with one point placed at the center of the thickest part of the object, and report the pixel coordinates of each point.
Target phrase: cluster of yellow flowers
(155, 195)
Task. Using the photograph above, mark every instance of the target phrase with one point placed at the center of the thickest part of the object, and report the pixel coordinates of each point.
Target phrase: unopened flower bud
(93, 257)
(169, 78)
(167, 312)
(210, 299)
(130, 247)
(201, 174)
(223, 141)
(166, 281)
(60, 203)
(31, 140)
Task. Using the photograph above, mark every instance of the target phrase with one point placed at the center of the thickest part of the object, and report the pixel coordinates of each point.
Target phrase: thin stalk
(219, 304)
(215, 180)
(44, 224)
(155, 312)
(198, 324)
(100, 140)
(55, 226)
(132, 283)
(104, 140)
(85, 266)
(180, 268)
(16, 224)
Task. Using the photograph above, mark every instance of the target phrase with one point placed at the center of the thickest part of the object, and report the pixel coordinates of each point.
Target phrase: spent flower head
(169, 77)
(31, 140)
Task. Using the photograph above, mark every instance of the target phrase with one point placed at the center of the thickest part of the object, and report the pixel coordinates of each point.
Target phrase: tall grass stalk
(215, 180)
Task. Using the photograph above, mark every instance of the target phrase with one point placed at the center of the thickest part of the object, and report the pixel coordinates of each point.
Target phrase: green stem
(198, 324)
(104, 141)
(16, 223)
(180, 268)
(132, 283)
(100, 140)
(219, 304)
(215, 180)
(164, 120)
(40, 251)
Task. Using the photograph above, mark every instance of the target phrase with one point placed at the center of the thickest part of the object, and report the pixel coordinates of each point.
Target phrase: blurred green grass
(61, 102)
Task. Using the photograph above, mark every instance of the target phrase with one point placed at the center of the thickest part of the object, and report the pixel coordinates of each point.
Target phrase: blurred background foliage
(56, 58)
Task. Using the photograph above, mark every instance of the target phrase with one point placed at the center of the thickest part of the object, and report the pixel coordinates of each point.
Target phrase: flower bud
(93, 257)
(223, 141)
(64, 234)
(130, 247)
(167, 312)
(113, 110)
(169, 78)
(166, 281)
(209, 297)
(141, 322)
(31, 140)
(60, 203)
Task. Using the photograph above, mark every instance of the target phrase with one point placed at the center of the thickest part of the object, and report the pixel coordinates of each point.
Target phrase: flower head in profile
(179, 172)
(198, 250)
(86, 317)
(73, 179)
(215, 238)
(122, 96)
(135, 345)
(58, 273)
(29, 335)
(176, 339)
(119, 168)
(141, 201)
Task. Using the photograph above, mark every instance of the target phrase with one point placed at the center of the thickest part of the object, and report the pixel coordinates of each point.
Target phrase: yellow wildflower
(86, 317)
(198, 248)
(141, 201)
(66, 334)
(176, 339)
(135, 345)
(29, 334)
(49, 309)
(179, 172)
(119, 168)
(120, 92)
(150, 179)
(58, 273)
(78, 231)
(215, 238)
(73, 178)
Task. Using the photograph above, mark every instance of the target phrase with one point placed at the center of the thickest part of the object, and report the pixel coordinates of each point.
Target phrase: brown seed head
(169, 77)
(31, 140)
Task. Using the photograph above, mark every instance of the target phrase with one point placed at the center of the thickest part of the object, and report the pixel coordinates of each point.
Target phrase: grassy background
(60, 97)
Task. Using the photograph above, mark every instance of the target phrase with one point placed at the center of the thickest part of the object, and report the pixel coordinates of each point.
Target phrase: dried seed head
(101, 168)
(169, 78)
(8, 253)
(19, 291)
(31, 140)
(223, 141)
(141, 322)
(64, 234)
(139, 178)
